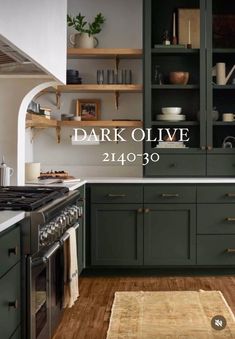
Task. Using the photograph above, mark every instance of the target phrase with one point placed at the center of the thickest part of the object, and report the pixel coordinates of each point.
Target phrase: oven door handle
(66, 235)
(44, 259)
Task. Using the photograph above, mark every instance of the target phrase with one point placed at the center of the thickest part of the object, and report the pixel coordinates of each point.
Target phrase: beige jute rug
(168, 315)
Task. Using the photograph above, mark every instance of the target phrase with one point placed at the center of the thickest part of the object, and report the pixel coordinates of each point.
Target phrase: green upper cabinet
(170, 234)
(116, 234)
(163, 90)
(204, 97)
(220, 87)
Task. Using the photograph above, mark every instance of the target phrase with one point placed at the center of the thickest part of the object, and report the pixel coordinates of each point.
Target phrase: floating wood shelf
(99, 53)
(101, 123)
(100, 88)
(39, 123)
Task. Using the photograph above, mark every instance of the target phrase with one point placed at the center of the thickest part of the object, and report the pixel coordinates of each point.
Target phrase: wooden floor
(89, 318)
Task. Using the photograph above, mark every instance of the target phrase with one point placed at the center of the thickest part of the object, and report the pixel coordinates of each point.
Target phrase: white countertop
(9, 218)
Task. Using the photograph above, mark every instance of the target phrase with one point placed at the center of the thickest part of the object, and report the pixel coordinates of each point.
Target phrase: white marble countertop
(9, 218)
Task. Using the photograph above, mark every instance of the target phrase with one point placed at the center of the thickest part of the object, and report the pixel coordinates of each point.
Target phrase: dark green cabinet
(116, 234)
(81, 231)
(203, 99)
(10, 283)
(170, 234)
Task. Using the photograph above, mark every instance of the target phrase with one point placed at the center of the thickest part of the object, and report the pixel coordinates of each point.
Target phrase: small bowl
(179, 78)
(171, 110)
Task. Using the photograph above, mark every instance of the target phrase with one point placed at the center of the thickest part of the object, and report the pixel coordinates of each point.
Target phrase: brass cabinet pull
(203, 148)
(13, 250)
(230, 195)
(13, 304)
(146, 210)
(140, 210)
(110, 195)
(230, 219)
(209, 148)
(170, 195)
(230, 250)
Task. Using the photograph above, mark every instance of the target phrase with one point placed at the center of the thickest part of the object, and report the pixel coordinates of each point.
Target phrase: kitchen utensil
(5, 173)
(171, 110)
(100, 77)
(170, 117)
(127, 76)
(110, 76)
(179, 78)
(228, 117)
(32, 171)
(219, 71)
(157, 76)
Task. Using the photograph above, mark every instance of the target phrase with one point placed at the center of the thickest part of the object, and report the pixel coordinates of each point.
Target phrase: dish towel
(71, 292)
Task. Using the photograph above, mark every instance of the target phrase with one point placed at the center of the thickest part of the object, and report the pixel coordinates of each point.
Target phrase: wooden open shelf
(101, 123)
(106, 53)
(100, 88)
(37, 121)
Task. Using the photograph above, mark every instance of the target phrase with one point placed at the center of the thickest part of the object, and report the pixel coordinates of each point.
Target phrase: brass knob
(147, 210)
(13, 304)
(209, 148)
(13, 250)
(140, 210)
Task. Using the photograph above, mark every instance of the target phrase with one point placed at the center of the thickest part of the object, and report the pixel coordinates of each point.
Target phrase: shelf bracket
(58, 134)
(117, 95)
(58, 99)
(35, 132)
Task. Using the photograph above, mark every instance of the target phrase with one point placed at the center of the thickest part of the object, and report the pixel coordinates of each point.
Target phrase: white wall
(123, 28)
(12, 92)
(38, 28)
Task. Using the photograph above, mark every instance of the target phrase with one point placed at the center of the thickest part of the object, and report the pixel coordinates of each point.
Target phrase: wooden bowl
(179, 78)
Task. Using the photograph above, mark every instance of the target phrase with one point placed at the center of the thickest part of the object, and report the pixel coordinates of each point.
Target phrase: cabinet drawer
(221, 165)
(216, 193)
(216, 250)
(10, 294)
(216, 220)
(9, 249)
(113, 193)
(169, 194)
(177, 165)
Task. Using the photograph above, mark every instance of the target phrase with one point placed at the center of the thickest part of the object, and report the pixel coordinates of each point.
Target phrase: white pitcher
(220, 72)
(83, 40)
(5, 174)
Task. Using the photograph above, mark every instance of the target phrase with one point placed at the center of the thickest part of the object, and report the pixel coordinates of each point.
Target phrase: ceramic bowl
(179, 78)
(171, 110)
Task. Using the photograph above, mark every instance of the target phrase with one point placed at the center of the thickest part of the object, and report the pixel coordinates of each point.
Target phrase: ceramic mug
(228, 117)
(83, 40)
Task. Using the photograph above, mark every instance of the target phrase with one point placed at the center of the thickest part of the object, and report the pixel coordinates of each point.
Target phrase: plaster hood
(13, 62)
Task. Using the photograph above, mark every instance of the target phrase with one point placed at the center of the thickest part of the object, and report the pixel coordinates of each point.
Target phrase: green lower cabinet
(170, 234)
(116, 234)
(10, 311)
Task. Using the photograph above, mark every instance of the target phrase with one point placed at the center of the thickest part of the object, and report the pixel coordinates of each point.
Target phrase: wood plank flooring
(89, 318)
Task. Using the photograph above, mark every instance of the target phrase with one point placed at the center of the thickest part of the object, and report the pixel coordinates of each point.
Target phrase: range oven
(43, 239)
(50, 211)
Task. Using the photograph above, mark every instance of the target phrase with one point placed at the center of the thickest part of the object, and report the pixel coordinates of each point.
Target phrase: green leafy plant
(82, 26)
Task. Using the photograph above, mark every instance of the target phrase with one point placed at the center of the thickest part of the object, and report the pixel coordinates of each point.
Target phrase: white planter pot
(83, 40)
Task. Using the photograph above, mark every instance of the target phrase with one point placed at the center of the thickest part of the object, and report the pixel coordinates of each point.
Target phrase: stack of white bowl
(171, 114)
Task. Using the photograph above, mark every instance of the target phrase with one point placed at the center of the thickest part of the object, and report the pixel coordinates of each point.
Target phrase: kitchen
(134, 226)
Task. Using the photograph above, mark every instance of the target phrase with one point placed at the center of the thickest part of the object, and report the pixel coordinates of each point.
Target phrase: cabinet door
(10, 298)
(169, 234)
(116, 234)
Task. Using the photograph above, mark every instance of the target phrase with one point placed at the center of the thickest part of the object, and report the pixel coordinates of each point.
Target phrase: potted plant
(86, 31)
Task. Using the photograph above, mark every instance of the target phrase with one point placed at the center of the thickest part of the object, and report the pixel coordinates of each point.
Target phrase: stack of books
(171, 144)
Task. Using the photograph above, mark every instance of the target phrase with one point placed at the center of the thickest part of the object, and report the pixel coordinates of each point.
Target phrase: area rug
(178, 315)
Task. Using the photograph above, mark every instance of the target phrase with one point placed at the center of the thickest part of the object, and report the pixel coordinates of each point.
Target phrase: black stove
(28, 198)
